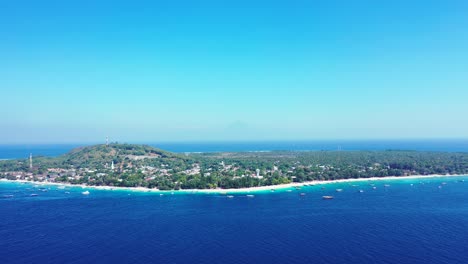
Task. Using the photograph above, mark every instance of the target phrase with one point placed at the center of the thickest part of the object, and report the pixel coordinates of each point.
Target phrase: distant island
(130, 165)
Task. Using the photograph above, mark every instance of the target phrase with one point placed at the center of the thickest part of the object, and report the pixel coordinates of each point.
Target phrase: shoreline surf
(238, 190)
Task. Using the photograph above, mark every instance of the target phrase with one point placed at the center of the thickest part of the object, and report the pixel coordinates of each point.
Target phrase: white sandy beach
(240, 190)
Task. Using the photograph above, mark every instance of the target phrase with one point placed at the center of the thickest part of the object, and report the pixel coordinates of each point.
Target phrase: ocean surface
(410, 221)
(459, 145)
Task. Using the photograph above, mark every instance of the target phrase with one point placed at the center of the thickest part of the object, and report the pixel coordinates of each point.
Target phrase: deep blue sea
(410, 221)
(452, 145)
(426, 222)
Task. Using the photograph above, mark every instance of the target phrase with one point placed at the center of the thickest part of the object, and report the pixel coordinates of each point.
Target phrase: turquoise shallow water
(409, 221)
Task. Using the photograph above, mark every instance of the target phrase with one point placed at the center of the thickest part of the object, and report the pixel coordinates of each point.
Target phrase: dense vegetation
(140, 165)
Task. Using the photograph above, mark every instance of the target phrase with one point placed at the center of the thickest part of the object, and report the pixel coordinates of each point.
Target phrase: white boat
(85, 193)
(230, 196)
(250, 195)
(339, 190)
(327, 197)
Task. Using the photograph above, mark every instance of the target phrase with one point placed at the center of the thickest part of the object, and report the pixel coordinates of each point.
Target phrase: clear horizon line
(241, 141)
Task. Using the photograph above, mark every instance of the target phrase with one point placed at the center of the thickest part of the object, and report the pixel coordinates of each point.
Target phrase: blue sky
(76, 71)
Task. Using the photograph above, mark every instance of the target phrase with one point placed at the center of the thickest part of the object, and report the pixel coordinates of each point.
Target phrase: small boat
(375, 188)
(67, 192)
(250, 195)
(327, 197)
(34, 194)
(302, 194)
(386, 185)
(8, 196)
(230, 196)
(85, 193)
(161, 194)
(361, 191)
(444, 183)
(339, 190)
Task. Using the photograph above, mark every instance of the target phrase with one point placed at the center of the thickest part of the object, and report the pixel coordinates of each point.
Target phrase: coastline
(238, 190)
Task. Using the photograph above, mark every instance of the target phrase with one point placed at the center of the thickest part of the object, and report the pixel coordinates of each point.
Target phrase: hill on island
(101, 154)
(95, 157)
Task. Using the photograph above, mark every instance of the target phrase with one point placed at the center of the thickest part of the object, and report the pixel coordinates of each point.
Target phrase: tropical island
(130, 165)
